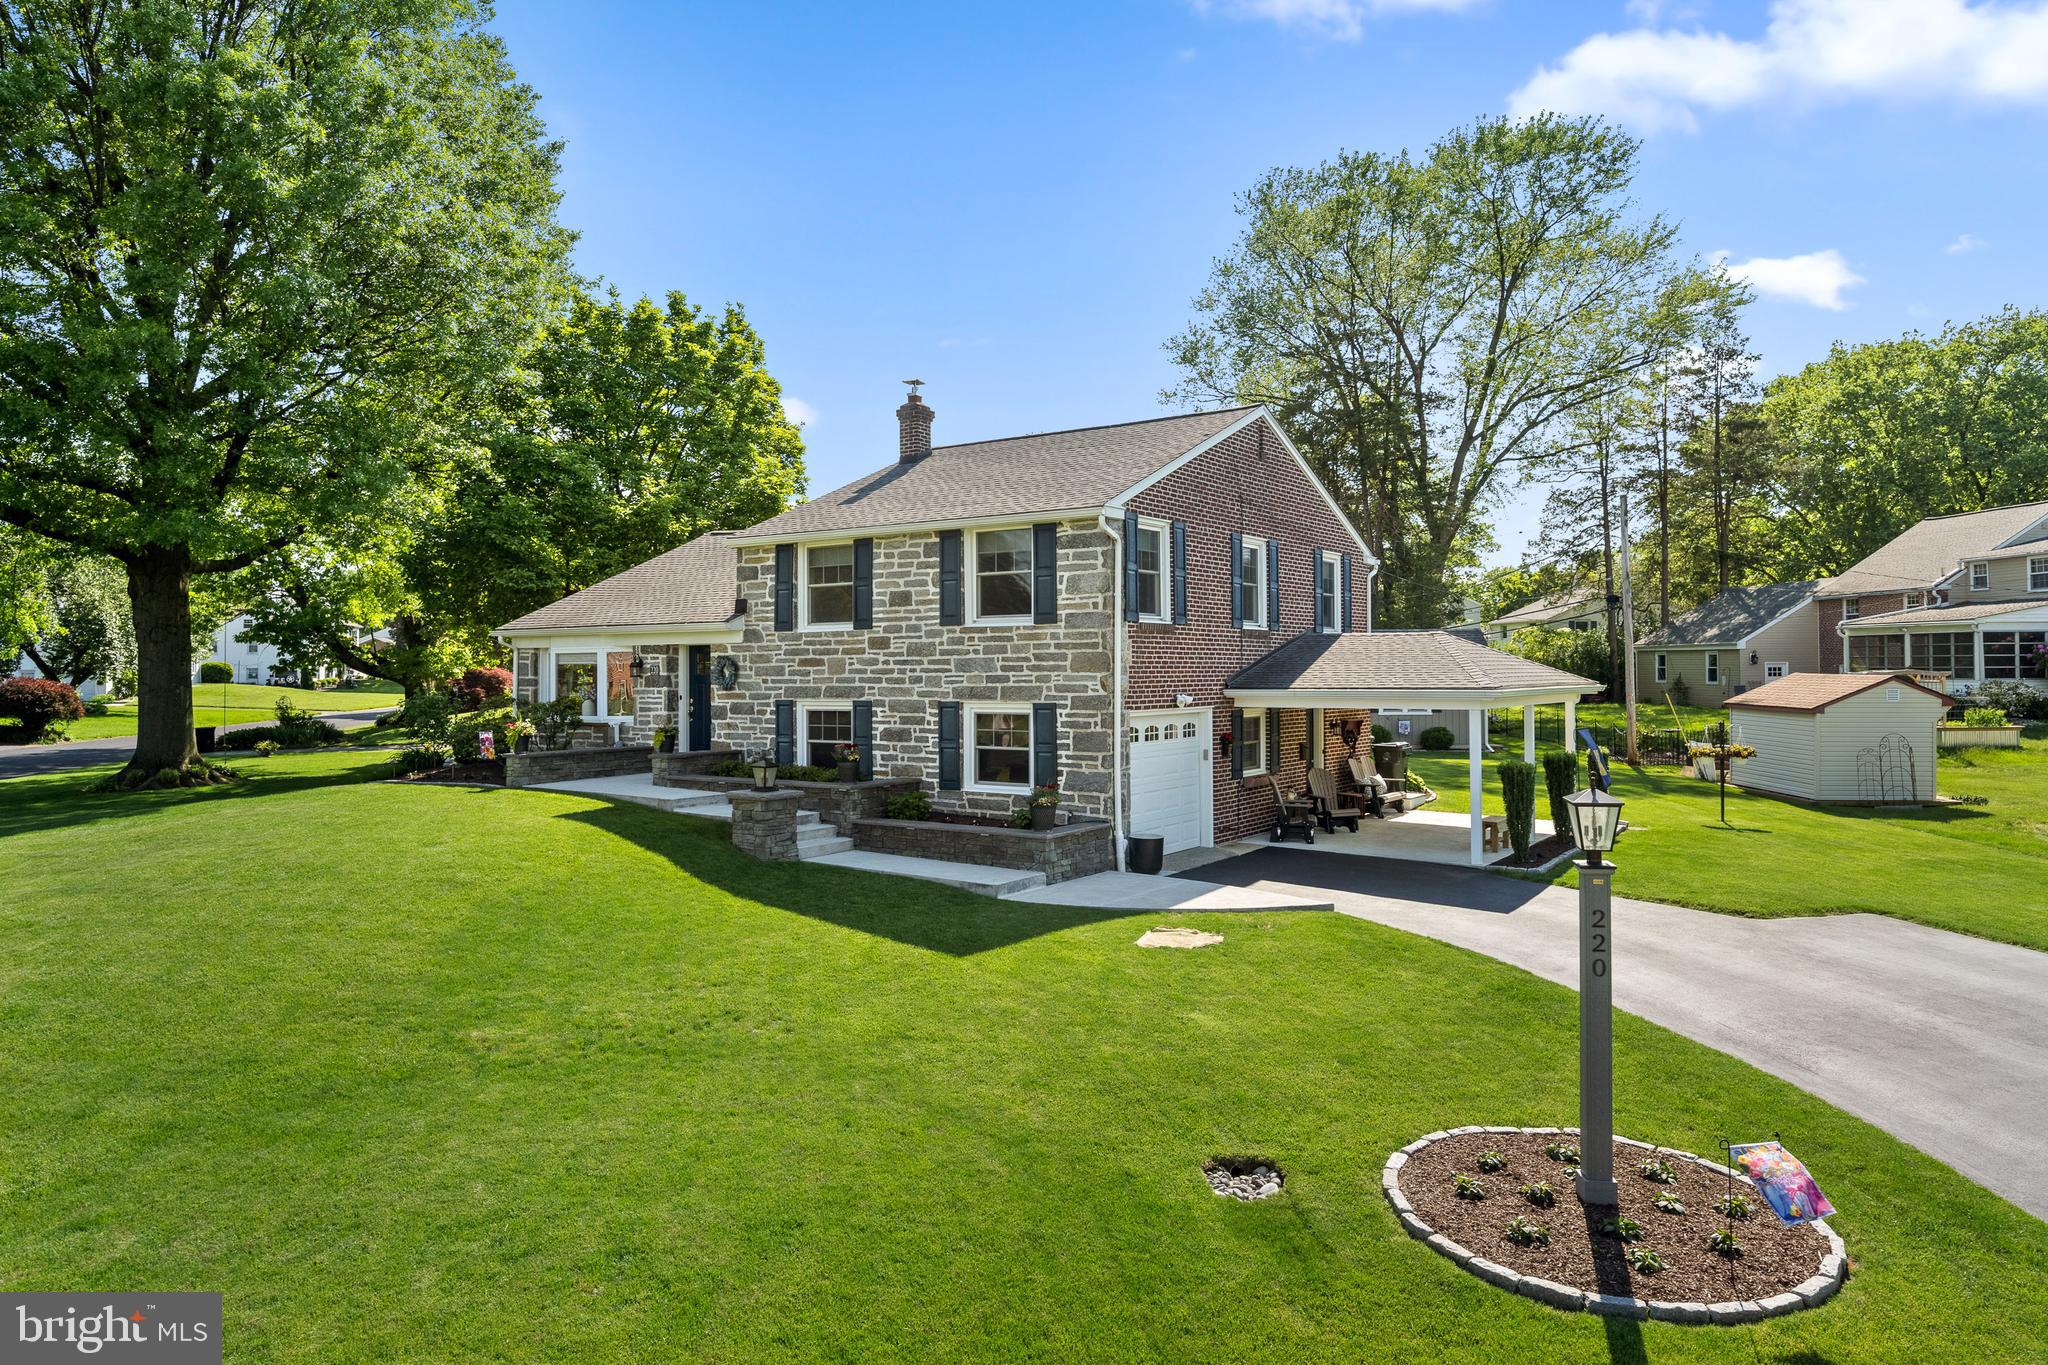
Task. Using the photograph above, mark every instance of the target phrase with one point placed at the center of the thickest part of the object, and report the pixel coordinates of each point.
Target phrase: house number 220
(1597, 941)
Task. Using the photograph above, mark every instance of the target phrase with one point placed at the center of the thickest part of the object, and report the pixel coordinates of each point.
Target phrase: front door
(698, 694)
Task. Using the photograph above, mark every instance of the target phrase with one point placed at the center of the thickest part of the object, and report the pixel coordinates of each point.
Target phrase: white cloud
(1343, 20)
(1811, 51)
(798, 411)
(1965, 244)
(1817, 278)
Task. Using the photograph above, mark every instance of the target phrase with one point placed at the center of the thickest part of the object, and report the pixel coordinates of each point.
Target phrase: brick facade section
(1248, 484)
(909, 663)
(1830, 616)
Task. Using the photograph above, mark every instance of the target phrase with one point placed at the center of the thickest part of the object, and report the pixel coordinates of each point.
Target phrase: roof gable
(1732, 616)
(693, 584)
(1931, 550)
(1819, 691)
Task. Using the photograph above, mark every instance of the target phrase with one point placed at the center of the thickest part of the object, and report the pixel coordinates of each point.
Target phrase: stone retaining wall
(569, 765)
(838, 804)
(764, 824)
(1067, 851)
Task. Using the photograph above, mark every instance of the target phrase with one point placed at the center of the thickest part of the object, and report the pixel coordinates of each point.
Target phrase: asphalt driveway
(1937, 1038)
(17, 760)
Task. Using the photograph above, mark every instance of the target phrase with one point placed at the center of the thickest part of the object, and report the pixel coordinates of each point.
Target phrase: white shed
(1842, 737)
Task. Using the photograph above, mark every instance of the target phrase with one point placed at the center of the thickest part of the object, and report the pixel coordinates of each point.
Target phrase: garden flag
(1782, 1178)
(488, 743)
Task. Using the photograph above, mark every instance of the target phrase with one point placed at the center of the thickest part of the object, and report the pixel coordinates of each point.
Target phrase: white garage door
(1169, 780)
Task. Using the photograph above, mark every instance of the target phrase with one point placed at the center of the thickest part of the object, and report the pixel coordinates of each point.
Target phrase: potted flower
(664, 740)
(1045, 803)
(520, 731)
(847, 756)
(762, 761)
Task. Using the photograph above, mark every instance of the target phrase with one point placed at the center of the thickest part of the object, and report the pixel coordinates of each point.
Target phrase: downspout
(1113, 528)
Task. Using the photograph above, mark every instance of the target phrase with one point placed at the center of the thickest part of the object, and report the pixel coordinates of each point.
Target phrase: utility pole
(1628, 630)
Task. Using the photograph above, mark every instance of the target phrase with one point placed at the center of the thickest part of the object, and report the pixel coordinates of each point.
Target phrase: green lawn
(1976, 869)
(231, 704)
(419, 1074)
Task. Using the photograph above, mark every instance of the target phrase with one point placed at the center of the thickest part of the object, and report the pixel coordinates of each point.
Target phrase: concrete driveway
(17, 760)
(1934, 1037)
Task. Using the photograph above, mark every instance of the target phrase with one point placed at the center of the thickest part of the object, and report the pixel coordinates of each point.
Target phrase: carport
(1413, 668)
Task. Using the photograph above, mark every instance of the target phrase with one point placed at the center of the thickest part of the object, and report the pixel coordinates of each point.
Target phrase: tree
(1875, 437)
(1423, 324)
(1717, 375)
(90, 634)
(259, 252)
(627, 430)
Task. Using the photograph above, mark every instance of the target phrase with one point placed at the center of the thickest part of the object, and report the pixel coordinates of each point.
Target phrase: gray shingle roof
(1397, 660)
(693, 584)
(1931, 550)
(1726, 619)
(1954, 612)
(1545, 608)
(1056, 471)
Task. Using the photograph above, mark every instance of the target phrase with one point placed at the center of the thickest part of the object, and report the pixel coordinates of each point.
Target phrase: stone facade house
(1075, 607)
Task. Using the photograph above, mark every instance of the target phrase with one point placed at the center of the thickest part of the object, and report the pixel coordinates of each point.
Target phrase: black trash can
(1146, 853)
(203, 734)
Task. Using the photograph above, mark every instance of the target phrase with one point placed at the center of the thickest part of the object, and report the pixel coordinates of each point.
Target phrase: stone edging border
(1834, 1267)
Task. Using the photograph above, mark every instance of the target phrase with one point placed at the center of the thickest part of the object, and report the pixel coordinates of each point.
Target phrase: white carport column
(1528, 732)
(1475, 770)
(1571, 725)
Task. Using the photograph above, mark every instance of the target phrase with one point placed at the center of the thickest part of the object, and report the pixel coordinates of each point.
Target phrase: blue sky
(1016, 203)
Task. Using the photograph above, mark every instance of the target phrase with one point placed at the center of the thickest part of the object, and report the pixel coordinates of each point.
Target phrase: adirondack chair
(1332, 807)
(1371, 785)
(1292, 815)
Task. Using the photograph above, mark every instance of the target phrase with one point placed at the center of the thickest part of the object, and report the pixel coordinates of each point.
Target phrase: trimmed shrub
(479, 687)
(215, 671)
(426, 712)
(465, 736)
(1983, 715)
(40, 704)
(298, 728)
(554, 720)
(1382, 735)
(912, 805)
(1560, 779)
(422, 756)
(1437, 738)
(1518, 793)
(2016, 699)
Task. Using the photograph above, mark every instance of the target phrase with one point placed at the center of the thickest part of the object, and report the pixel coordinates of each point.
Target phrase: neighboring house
(1963, 598)
(1160, 615)
(256, 661)
(1839, 737)
(25, 667)
(1580, 609)
(1741, 639)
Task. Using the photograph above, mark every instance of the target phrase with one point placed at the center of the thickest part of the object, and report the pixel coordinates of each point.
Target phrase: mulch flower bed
(1540, 852)
(1774, 1258)
(490, 774)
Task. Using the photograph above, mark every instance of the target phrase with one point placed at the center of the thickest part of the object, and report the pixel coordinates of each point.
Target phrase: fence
(1504, 728)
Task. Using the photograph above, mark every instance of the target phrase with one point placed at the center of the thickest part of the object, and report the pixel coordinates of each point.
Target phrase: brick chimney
(914, 427)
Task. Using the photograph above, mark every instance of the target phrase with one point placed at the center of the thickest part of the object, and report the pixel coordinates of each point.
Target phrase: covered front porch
(1414, 670)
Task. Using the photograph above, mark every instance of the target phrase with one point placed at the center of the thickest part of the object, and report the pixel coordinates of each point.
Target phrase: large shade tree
(1427, 324)
(252, 254)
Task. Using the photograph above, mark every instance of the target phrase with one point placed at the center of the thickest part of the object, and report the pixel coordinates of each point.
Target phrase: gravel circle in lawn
(1243, 1177)
(1582, 1265)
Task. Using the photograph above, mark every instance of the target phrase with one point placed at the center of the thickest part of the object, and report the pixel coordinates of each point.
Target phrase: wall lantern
(638, 667)
(1596, 822)
(1752, 656)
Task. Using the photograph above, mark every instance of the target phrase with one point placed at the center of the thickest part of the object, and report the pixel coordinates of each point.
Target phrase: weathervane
(915, 384)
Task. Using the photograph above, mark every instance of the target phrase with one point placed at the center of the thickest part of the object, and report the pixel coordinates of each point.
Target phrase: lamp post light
(1596, 823)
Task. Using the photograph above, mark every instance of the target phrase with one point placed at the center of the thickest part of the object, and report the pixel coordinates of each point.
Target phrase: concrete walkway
(1934, 1037)
(17, 760)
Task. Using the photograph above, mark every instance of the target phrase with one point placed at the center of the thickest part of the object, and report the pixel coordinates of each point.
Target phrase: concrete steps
(987, 881)
(816, 839)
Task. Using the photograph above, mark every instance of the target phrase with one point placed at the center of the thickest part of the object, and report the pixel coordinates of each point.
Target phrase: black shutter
(1236, 578)
(1045, 572)
(1344, 586)
(864, 737)
(1273, 584)
(785, 733)
(863, 583)
(1237, 742)
(1180, 573)
(785, 587)
(949, 578)
(1045, 743)
(949, 746)
(1130, 565)
(1315, 580)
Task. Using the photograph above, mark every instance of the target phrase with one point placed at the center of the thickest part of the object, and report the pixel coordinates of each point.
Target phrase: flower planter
(523, 744)
(849, 772)
(1978, 736)
(1042, 816)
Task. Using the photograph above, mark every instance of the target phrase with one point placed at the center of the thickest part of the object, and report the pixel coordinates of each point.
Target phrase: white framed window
(1776, 670)
(1851, 608)
(828, 587)
(252, 674)
(822, 728)
(999, 749)
(1002, 576)
(254, 647)
(1663, 672)
(1251, 572)
(1252, 743)
(1151, 549)
(1329, 577)
(576, 676)
(1713, 666)
(1915, 600)
(2037, 574)
(1980, 576)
